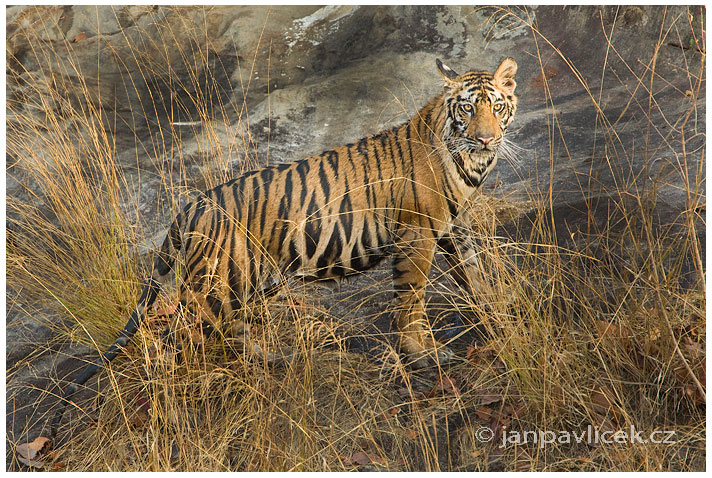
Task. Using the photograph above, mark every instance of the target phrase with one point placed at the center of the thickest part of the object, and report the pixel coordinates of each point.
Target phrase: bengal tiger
(397, 193)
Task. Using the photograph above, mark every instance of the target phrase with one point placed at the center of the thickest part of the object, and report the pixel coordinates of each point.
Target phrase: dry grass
(597, 332)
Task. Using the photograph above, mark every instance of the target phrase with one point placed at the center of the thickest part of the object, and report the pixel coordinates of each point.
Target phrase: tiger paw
(430, 357)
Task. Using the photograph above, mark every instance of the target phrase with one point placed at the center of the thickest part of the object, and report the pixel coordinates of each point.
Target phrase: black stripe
(264, 200)
(198, 279)
(349, 157)
(357, 263)
(333, 247)
(266, 174)
(366, 241)
(253, 205)
(302, 169)
(410, 158)
(333, 161)
(312, 228)
(346, 215)
(288, 188)
(250, 264)
(197, 212)
(236, 197)
(233, 280)
(295, 260)
(324, 180)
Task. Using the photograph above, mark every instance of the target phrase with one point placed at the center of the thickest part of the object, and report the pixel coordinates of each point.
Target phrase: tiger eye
(467, 108)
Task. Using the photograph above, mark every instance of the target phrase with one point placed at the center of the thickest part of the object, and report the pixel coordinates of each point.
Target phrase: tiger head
(478, 108)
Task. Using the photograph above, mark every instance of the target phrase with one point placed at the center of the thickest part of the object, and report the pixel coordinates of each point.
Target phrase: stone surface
(282, 83)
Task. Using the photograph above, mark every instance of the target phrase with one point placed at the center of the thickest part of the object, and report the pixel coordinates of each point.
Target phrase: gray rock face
(312, 78)
(611, 98)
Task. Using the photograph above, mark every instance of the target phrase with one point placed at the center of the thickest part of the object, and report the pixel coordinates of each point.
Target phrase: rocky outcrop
(310, 78)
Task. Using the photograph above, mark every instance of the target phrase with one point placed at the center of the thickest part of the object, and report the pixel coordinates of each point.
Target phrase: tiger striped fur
(396, 194)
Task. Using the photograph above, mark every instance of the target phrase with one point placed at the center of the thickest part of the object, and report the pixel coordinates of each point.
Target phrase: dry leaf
(410, 433)
(143, 404)
(490, 397)
(29, 453)
(522, 459)
(497, 424)
(387, 415)
(615, 334)
(485, 355)
(139, 419)
(362, 458)
(516, 411)
(445, 385)
(484, 413)
(605, 425)
(406, 393)
(602, 399)
(80, 37)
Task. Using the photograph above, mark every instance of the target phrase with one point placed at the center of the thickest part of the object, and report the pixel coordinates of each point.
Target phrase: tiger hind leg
(231, 322)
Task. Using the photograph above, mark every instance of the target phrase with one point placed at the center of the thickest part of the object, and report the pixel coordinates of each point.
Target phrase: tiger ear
(504, 76)
(448, 73)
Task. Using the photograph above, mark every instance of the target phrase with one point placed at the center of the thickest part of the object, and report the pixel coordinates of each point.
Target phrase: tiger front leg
(464, 267)
(410, 274)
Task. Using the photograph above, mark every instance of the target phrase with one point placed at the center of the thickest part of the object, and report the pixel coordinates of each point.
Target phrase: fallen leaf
(555, 400)
(516, 411)
(139, 419)
(602, 399)
(445, 385)
(387, 415)
(485, 355)
(490, 397)
(694, 349)
(29, 453)
(407, 393)
(82, 36)
(522, 459)
(615, 334)
(362, 458)
(494, 455)
(484, 413)
(142, 402)
(593, 436)
(497, 424)
(410, 433)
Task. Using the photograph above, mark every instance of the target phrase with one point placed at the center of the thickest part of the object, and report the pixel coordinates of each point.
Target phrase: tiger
(394, 194)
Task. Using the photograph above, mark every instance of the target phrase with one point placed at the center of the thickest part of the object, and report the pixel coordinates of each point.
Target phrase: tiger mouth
(478, 156)
(472, 148)
(477, 161)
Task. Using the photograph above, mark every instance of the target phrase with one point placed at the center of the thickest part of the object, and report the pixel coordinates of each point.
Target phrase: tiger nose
(485, 141)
